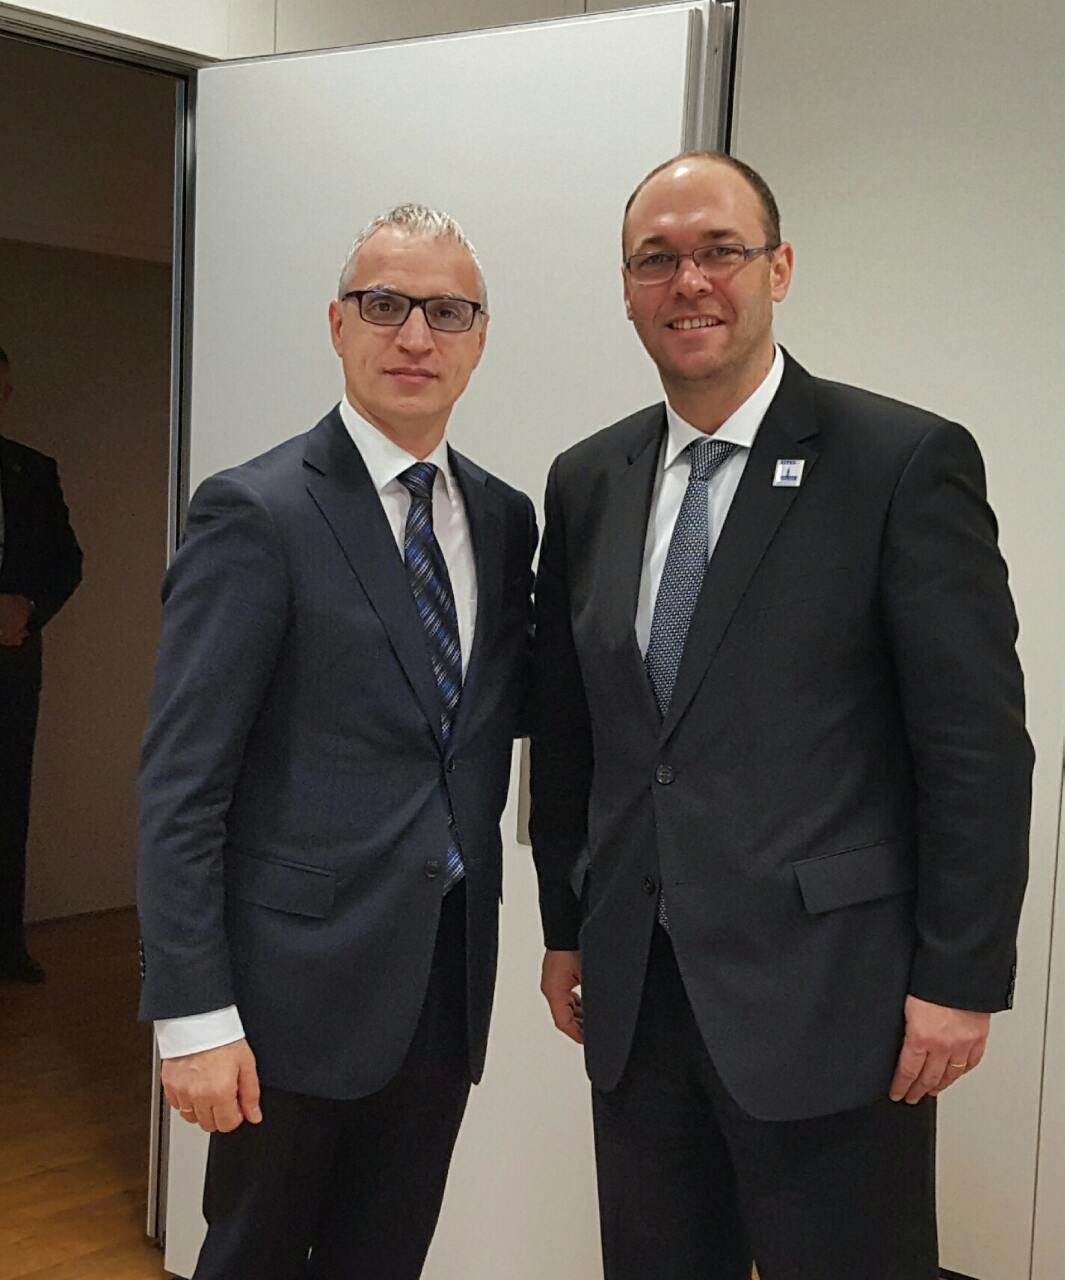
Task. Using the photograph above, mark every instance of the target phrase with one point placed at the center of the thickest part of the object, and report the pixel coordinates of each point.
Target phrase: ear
(625, 293)
(481, 339)
(336, 326)
(780, 271)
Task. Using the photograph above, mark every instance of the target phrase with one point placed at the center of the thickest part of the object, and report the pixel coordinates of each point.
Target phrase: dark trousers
(693, 1188)
(348, 1190)
(19, 699)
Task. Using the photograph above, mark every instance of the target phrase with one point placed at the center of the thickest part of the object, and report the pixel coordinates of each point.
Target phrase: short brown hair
(758, 184)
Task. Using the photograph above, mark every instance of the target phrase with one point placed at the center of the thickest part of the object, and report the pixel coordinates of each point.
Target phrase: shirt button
(432, 869)
(664, 774)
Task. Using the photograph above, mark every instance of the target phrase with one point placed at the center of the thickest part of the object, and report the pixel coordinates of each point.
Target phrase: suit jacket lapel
(626, 508)
(340, 485)
(753, 519)
(484, 514)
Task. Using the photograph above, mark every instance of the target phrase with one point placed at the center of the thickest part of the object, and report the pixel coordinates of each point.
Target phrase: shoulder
(269, 479)
(32, 461)
(514, 501)
(621, 441)
(877, 426)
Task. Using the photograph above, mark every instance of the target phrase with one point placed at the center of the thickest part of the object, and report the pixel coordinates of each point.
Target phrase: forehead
(417, 264)
(703, 198)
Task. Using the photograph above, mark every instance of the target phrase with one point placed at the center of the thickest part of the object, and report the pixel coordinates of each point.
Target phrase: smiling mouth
(694, 322)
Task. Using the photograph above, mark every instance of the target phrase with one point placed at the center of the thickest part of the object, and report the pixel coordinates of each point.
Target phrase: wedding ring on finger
(958, 1066)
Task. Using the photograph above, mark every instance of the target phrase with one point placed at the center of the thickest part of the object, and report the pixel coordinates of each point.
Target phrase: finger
(907, 1070)
(248, 1093)
(203, 1116)
(930, 1076)
(185, 1110)
(954, 1071)
(227, 1114)
(562, 1013)
(976, 1054)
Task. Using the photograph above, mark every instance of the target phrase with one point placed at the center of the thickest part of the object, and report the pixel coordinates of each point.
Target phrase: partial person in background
(781, 779)
(345, 635)
(40, 566)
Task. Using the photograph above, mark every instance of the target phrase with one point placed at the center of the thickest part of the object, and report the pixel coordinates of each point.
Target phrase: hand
(217, 1089)
(15, 613)
(941, 1045)
(560, 984)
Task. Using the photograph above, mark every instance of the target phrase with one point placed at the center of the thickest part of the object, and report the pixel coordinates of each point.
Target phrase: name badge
(788, 474)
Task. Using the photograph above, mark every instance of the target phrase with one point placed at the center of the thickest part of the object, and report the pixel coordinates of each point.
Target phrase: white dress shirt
(384, 461)
(671, 483)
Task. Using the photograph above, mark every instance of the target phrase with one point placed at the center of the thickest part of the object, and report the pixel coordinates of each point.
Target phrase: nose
(414, 334)
(690, 279)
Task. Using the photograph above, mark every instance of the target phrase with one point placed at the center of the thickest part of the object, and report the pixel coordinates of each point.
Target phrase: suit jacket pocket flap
(284, 886)
(856, 875)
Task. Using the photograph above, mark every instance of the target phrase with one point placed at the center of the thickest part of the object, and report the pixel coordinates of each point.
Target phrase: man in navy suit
(781, 779)
(40, 566)
(345, 632)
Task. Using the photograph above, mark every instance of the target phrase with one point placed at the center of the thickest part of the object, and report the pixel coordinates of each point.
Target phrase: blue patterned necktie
(431, 587)
(682, 579)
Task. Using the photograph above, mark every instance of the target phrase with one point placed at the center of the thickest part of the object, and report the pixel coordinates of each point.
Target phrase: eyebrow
(725, 233)
(394, 288)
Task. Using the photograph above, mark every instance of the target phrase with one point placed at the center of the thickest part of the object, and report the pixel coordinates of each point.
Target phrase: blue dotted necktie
(431, 587)
(682, 579)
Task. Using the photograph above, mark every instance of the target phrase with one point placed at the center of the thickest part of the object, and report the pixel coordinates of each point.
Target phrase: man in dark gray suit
(344, 637)
(40, 566)
(781, 779)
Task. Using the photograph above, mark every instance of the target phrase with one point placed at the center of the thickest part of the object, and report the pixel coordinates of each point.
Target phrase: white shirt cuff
(198, 1031)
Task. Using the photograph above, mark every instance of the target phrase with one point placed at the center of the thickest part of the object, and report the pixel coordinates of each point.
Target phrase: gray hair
(415, 220)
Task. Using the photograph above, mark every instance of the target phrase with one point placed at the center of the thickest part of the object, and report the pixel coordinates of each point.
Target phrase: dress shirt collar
(386, 460)
(739, 429)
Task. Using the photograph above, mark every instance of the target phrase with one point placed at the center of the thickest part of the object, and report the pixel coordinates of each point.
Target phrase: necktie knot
(707, 455)
(418, 480)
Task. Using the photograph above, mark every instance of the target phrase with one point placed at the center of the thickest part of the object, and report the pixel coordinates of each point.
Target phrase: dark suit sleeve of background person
(42, 559)
(952, 631)
(561, 757)
(225, 610)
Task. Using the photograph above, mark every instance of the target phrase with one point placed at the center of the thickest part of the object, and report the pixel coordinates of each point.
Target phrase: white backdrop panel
(908, 145)
(532, 137)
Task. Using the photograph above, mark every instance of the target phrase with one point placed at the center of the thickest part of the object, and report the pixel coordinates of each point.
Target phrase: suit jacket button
(450, 766)
(650, 886)
(432, 868)
(664, 774)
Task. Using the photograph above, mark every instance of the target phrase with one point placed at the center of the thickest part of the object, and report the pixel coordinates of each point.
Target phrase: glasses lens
(452, 315)
(653, 268)
(384, 308)
(719, 259)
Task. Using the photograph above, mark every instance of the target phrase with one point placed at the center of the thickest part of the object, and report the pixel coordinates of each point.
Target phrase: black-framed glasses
(713, 260)
(383, 306)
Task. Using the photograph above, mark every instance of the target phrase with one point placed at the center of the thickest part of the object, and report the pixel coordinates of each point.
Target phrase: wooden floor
(75, 1070)
(74, 1081)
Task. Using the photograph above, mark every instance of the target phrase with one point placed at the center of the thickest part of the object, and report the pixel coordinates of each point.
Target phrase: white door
(532, 137)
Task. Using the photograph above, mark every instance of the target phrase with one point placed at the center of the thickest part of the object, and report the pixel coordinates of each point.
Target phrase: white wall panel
(915, 152)
(532, 138)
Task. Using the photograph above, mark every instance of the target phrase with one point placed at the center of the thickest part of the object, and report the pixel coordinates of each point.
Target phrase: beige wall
(209, 28)
(247, 28)
(89, 341)
(85, 153)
